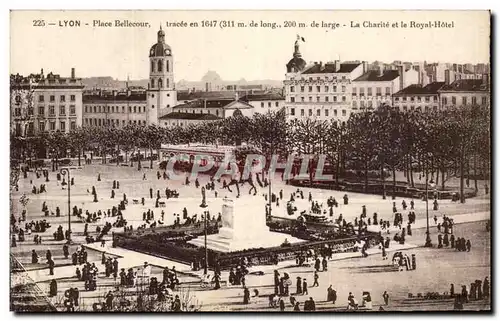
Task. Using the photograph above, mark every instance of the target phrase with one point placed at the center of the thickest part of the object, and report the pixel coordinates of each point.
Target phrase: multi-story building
(207, 109)
(263, 103)
(374, 88)
(418, 98)
(465, 92)
(42, 103)
(115, 109)
(319, 91)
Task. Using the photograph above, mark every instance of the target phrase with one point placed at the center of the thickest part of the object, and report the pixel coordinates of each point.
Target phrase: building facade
(42, 103)
(115, 109)
(418, 98)
(263, 103)
(374, 88)
(465, 92)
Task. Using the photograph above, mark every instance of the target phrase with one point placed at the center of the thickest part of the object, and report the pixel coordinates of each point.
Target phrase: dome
(160, 49)
(295, 64)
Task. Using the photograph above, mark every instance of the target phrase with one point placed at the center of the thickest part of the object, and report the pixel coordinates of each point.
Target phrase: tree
(57, 144)
(79, 140)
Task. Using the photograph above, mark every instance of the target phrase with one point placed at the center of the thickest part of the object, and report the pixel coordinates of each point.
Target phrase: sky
(240, 52)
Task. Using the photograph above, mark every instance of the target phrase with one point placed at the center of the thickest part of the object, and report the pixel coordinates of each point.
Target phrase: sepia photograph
(250, 161)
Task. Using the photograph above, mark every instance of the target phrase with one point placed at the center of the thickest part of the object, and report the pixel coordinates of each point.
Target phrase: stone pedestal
(243, 227)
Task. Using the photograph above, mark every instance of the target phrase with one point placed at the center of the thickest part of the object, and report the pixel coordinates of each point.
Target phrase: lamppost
(65, 171)
(428, 242)
(204, 205)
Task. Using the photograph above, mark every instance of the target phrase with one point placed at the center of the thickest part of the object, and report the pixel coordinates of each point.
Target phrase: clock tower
(161, 95)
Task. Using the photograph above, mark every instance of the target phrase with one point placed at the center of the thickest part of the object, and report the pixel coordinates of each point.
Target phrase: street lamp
(428, 242)
(204, 205)
(65, 171)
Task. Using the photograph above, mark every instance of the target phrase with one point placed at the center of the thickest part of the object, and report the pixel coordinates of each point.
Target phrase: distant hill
(211, 77)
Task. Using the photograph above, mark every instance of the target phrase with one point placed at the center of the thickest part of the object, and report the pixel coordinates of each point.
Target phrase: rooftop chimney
(236, 96)
(72, 73)
(447, 76)
(401, 72)
(365, 66)
(381, 70)
(486, 81)
(337, 65)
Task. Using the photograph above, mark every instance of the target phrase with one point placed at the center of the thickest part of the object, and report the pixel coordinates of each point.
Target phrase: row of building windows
(52, 111)
(418, 98)
(42, 127)
(114, 109)
(318, 89)
(269, 104)
(200, 111)
(465, 100)
(369, 91)
(333, 78)
(160, 83)
(318, 99)
(112, 122)
(419, 108)
(52, 98)
(318, 112)
(159, 66)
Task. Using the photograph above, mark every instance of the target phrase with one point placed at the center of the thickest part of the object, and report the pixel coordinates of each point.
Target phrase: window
(86, 111)
(474, 100)
(17, 112)
(326, 112)
(160, 65)
(310, 99)
(301, 89)
(435, 107)
(112, 109)
(262, 104)
(310, 88)
(464, 100)
(343, 89)
(292, 111)
(135, 109)
(276, 104)
(41, 110)
(426, 109)
(18, 129)
(99, 121)
(412, 107)
(123, 109)
(62, 99)
(41, 126)
(326, 88)
(387, 91)
(343, 78)
(73, 125)
(369, 91)
(292, 99)
(326, 98)
(484, 100)
(292, 89)
(302, 112)
(343, 98)
(168, 66)
(62, 126)
(335, 112)
(52, 125)
(334, 98)
(435, 98)
(362, 104)
(152, 66)
(318, 88)
(123, 123)
(412, 98)
(129, 109)
(444, 101)
(302, 99)
(405, 108)
(318, 112)
(396, 99)
(453, 100)
(217, 112)
(160, 83)
(52, 98)
(344, 112)
(379, 91)
(427, 99)
(404, 98)
(354, 91)
(72, 98)
(354, 104)
(361, 91)
(369, 103)
(41, 98)
(269, 104)
(152, 83)
(310, 112)
(72, 110)
(317, 99)
(334, 88)
(52, 111)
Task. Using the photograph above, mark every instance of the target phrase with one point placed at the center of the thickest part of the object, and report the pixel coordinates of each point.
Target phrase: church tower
(161, 95)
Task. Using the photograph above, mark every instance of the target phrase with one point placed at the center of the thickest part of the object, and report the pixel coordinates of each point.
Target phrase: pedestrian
(486, 288)
(304, 287)
(65, 251)
(325, 264)
(412, 204)
(452, 290)
(386, 298)
(468, 245)
(51, 267)
(296, 307)
(414, 262)
(246, 295)
(299, 285)
(282, 305)
(316, 277)
(53, 288)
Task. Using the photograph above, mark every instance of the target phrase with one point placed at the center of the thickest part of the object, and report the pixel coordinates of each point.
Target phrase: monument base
(222, 243)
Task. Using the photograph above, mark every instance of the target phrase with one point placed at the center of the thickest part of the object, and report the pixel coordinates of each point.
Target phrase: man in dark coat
(53, 288)
(304, 287)
(299, 285)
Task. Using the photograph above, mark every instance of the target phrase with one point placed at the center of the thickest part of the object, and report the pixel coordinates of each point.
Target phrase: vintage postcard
(243, 161)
